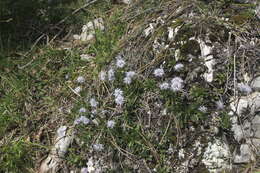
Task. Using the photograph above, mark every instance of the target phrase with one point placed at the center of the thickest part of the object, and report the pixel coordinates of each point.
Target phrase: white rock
(181, 154)
(245, 155)
(209, 60)
(255, 84)
(170, 33)
(64, 138)
(217, 156)
(76, 37)
(149, 29)
(88, 30)
(86, 57)
(127, 2)
(251, 101)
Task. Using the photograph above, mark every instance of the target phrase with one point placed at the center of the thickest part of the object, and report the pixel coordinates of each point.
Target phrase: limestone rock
(245, 155)
(217, 156)
(255, 84)
(64, 138)
(88, 30)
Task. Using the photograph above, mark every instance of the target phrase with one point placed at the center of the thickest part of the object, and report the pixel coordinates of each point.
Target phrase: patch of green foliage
(15, 157)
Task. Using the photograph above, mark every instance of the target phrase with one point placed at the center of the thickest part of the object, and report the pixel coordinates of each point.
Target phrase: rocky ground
(145, 86)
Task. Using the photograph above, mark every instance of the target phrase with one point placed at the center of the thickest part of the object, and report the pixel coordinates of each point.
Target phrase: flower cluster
(93, 102)
(119, 98)
(110, 124)
(159, 72)
(82, 110)
(98, 147)
(82, 119)
(120, 63)
(176, 84)
(111, 74)
(164, 86)
(219, 105)
(178, 67)
(128, 77)
(80, 79)
(77, 89)
(203, 109)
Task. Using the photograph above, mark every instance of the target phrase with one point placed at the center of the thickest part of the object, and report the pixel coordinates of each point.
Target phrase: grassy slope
(37, 98)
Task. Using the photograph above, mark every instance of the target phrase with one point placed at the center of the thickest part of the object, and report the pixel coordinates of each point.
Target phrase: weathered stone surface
(64, 138)
(88, 30)
(249, 130)
(217, 156)
(251, 101)
(255, 84)
(245, 155)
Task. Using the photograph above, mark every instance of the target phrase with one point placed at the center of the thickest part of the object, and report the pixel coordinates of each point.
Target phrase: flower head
(84, 170)
(78, 89)
(98, 147)
(130, 74)
(176, 84)
(244, 88)
(127, 80)
(118, 92)
(110, 124)
(111, 74)
(120, 63)
(119, 100)
(178, 67)
(203, 109)
(159, 72)
(80, 79)
(220, 105)
(82, 110)
(128, 77)
(164, 86)
(93, 102)
(82, 119)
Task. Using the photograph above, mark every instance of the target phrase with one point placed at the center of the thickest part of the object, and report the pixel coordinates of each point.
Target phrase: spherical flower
(77, 89)
(82, 110)
(111, 75)
(119, 100)
(98, 147)
(164, 86)
(80, 79)
(120, 63)
(130, 74)
(159, 72)
(110, 124)
(176, 84)
(244, 88)
(178, 67)
(203, 109)
(82, 119)
(102, 75)
(84, 170)
(118, 92)
(93, 102)
(220, 105)
(127, 80)
(128, 77)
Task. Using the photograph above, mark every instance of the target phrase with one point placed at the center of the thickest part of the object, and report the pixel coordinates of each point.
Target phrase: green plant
(15, 157)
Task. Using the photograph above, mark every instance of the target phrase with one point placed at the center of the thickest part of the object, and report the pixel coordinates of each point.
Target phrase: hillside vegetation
(149, 86)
